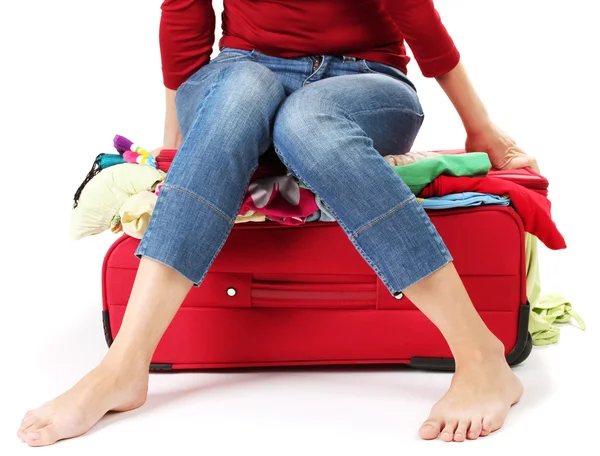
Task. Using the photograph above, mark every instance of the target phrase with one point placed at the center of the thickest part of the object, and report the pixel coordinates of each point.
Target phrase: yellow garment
(103, 196)
(135, 213)
(545, 310)
(250, 216)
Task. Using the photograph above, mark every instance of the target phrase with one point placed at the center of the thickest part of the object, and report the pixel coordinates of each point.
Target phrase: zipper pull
(317, 59)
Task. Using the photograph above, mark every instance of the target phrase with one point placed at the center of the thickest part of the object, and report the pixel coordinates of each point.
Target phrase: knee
(243, 89)
(304, 128)
(306, 108)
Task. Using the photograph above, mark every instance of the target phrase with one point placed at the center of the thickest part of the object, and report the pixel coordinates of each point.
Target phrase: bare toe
(483, 390)
(448, 431)
(28, 420)
(475, 429)
(461, 431)
(30, 428)
(76, 411)
(430, 429)
(486, 428)
(31, 438)
(44, 436)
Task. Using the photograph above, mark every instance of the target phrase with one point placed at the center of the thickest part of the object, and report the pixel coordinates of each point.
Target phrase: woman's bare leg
(374, 115)
(120, 382)
(226, 116)
(483, 387)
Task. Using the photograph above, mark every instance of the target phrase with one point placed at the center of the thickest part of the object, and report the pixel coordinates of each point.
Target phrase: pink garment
(281, 199)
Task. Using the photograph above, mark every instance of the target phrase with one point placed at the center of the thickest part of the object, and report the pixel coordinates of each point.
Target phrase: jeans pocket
(371, 67)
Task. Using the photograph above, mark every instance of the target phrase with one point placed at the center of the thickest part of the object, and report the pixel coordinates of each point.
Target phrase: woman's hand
(501, 148)
(482, 134)
(157, 151)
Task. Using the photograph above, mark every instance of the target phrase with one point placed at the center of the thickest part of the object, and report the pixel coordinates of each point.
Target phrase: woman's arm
(420, 26)
(187, 35)
(172, 138)
(482, 134)
(468, 105)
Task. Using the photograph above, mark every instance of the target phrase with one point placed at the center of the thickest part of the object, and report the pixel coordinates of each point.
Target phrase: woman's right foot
(72, 414)
(482, 391)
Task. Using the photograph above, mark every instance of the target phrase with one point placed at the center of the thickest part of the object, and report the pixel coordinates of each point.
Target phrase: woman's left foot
(72, 414)
(477, 403)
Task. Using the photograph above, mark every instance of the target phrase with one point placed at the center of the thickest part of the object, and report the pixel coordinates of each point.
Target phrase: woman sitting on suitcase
(325, 83)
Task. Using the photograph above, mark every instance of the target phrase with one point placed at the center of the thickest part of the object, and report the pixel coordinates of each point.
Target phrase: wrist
(172, 140)
(172, 136)
(478, 126)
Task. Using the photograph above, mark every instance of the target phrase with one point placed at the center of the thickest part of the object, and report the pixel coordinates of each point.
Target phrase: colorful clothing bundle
(440, 180)
(117, 194)
(428, 174)
(532, 207)
(281, 199)
(103, 201)
(417, 170)
(419, 174)
(454, 200)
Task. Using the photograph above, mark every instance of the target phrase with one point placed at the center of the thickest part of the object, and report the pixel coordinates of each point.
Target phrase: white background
(74, 74)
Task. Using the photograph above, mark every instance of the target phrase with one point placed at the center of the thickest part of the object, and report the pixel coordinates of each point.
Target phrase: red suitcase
(302, 295)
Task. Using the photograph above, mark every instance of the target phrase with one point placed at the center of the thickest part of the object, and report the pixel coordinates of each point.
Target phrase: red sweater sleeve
(421, 27)
(187, 35)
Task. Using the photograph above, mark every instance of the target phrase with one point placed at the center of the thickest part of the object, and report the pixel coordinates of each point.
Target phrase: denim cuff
(402, 246)
(189, 238)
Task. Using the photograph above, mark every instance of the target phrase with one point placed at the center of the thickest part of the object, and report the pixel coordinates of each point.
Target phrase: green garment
(421, 173)
(545, 310)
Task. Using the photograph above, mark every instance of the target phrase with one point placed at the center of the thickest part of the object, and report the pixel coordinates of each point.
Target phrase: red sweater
(367, 29)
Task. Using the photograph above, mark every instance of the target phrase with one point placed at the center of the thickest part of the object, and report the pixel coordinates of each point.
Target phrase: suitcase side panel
(224, 335)
(211, 337)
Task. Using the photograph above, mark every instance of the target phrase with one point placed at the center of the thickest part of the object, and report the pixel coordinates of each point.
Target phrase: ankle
(125, 361)
(478, 351)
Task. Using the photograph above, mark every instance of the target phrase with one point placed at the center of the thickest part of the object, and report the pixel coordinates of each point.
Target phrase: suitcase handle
(243, 291)
(314, 295)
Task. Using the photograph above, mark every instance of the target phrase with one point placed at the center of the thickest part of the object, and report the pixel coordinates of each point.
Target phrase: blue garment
(314, 217)
(330, 132)
(325, 216)
(465, 199)
(107, 160)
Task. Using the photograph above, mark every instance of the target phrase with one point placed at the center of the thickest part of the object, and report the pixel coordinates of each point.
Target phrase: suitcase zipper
(534, 182)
